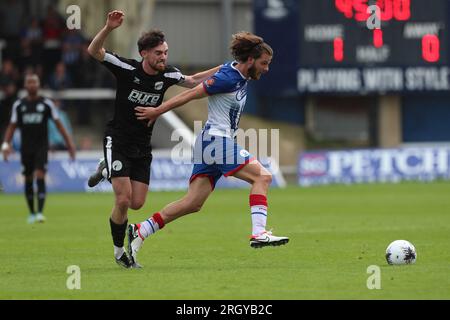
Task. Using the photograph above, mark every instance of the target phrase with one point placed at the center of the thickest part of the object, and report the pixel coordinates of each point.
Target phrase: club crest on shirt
(241, 93)
(159, 85)
(40, 107)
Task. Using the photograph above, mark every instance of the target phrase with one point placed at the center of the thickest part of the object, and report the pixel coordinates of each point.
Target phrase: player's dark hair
(32, 76)
(151, 39)
(245, 44)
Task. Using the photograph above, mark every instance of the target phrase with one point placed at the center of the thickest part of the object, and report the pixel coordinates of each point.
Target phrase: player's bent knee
(265, 179)
(39, 174)
(136, 205)
(123, 202)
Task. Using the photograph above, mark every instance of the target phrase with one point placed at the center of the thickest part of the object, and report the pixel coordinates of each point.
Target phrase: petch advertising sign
(373, 165)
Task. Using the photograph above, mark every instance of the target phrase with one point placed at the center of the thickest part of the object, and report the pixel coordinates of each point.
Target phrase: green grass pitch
(336, 233)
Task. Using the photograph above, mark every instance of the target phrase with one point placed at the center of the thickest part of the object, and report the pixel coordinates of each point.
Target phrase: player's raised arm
(113, 21)
(196, 79)
(145, 113)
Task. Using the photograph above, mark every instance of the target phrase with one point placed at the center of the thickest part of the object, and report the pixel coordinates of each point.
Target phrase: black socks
(29, 195)
(41, 194)
(118, 232)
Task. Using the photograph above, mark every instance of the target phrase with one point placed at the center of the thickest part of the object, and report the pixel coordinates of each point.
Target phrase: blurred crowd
(45, 46)
(42, 45)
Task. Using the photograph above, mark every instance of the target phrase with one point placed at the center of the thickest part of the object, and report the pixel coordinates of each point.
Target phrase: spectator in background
(55, 139)
(71, 50)
(86, 143)
(9, 77)
(53, 28)
(9, 96)
(32, 42)
(90, 74)
(11, 17)
(9, 74)
(60, 79)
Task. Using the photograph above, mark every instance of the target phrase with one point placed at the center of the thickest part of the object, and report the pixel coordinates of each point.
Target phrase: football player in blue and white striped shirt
(226, 91)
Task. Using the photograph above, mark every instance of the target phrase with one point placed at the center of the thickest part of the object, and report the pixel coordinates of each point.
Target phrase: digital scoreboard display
(373, 46)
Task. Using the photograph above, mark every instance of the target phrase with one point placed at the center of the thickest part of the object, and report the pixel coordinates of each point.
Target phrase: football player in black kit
(127, 148)
(31, 115)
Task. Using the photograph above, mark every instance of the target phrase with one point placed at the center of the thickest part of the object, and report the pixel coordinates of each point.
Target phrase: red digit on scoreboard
(402, 10)
(386, 9)
(390, 9)
(377, 38)
(431, 48)
(345, 6)
(360, 7)
(338, 47)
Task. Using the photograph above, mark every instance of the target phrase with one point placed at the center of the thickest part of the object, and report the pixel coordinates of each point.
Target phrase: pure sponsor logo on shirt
(32, 118)
(144, 98)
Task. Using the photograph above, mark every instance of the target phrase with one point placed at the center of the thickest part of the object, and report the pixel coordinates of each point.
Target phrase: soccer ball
(401, 252)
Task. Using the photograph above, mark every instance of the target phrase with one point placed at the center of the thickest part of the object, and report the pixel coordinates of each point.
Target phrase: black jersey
(32, 119)
(136, 88)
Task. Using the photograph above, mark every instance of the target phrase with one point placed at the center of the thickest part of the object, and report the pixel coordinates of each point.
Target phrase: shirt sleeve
(219, 83)
(14, 111)
(118, 65)
(175, 75)
(53, 110)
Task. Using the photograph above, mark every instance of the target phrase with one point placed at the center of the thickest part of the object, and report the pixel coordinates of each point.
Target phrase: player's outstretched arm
(69, 143)
(113, 21)
(151, 114)
(196, 79)
(6, 145)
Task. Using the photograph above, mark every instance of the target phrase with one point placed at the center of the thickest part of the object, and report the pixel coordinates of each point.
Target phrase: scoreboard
(373, 46)
(335, 33)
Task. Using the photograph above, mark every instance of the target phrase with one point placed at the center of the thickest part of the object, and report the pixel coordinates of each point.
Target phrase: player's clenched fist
(6, 150)
(115, 19)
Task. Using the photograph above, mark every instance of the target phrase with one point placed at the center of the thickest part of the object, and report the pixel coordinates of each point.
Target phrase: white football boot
(31, 218)
(40, 217)
(267, 239)
(135, 242)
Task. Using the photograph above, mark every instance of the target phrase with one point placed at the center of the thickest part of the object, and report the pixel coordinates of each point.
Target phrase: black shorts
(123, 161)
(32, 161)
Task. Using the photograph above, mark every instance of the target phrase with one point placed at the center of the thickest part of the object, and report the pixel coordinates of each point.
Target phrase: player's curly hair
(151, 39)
(245, 44)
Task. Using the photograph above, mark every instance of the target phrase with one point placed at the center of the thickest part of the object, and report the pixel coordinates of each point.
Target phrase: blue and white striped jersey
(227, 90)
